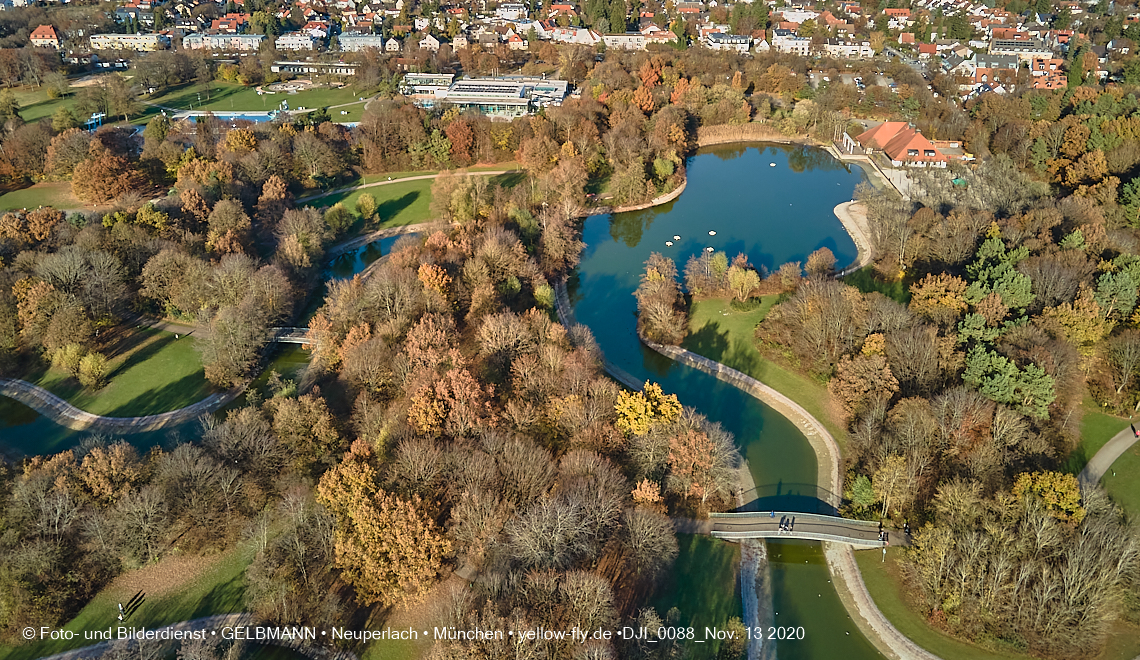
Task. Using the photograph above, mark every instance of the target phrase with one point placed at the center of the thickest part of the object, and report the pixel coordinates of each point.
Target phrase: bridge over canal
(807, 526)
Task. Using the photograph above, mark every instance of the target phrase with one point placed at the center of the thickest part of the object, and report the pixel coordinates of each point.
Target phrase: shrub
(68, 358)
(93, 370)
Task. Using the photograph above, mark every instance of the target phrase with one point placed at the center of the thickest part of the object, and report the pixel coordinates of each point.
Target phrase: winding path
(1105, 457)
(63, 413)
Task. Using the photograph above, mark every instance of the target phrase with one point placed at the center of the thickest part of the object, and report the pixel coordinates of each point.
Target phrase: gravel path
(1106, 456)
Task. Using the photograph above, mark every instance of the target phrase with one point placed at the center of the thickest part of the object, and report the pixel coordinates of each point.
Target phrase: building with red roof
(903, 144)
(45, 36)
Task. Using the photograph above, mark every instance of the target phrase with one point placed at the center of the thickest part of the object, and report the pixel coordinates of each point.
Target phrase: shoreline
(848, 580)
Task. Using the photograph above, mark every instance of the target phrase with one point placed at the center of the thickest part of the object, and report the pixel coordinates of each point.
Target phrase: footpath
(1105, 457)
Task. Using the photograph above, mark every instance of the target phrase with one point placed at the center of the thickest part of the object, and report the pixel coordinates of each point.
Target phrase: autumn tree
(104, 176)
(385, 546)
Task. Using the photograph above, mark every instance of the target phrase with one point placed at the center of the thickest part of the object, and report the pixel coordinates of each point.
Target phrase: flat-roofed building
(507, 97)
(625, 41)
(350, 43)
(511, 11)
(334, 68)
(1025, 50)
(721, 41)
(295, 41)
(136, 42)
(226, 42)
(848, 49)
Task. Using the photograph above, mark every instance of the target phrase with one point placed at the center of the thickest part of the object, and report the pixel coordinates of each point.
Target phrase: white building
(430, 43)
(721, 41)
(798, 15)
(295, 41)
(357, 42)
(137, 42)
(575, 35)
(390, 46)
(625, 41)
(226, 42)
(786, 41)
(848, 49)
(511, 11)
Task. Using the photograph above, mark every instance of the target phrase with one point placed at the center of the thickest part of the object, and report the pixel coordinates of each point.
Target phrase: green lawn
(57, 194)
(719, 333)
(1097, 428)
(35, 104)
(886, 585)
(398, 204)
(703, 585)
(152, 372)
(1122, 481)
(865, 280)
(220, 589)
(231, 97)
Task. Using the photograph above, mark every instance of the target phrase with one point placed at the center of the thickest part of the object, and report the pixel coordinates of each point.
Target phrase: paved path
(214, 624)
(63, 413)
(1112, 450)
(419, 177)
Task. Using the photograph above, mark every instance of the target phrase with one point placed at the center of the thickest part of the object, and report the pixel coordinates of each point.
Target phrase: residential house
(390, 46)
(428, 42)
(295, 41)
(721, 41)
(230, 24)
(136, 42)
(625, 41)
(45, 36)
(511, 11)
(848, 49)
(1044, 66)
(351, 43)
(785, 41)
(225, 42)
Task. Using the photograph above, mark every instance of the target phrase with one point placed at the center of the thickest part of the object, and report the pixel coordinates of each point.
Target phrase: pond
(775, 204)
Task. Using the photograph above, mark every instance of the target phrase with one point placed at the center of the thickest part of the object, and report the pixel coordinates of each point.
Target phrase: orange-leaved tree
(388, 549)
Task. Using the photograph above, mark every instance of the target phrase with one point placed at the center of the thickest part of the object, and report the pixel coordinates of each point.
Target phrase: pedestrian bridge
(808, 526)
(289, 335)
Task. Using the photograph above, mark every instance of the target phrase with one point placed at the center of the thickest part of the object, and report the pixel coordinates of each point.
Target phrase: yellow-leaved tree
(385, 546)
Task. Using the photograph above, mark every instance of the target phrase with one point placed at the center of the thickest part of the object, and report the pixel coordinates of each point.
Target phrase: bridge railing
(809, 536)
(765, 515)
